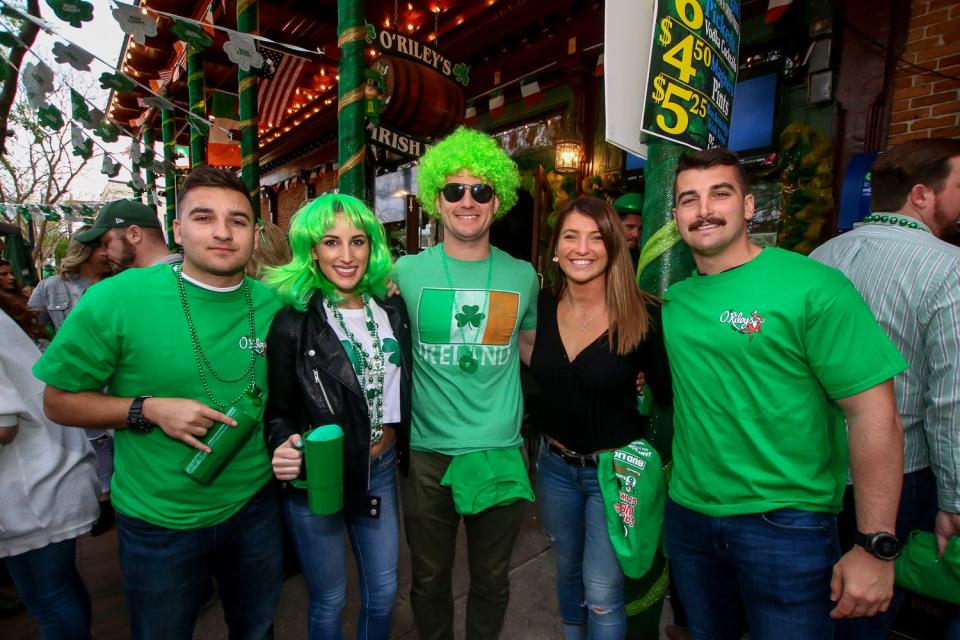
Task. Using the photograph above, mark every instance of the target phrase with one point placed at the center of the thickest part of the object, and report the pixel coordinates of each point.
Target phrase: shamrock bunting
(146, 159)
(74, 12)
(135, 153)
(370, 33)
(200, 124)
(109, 167)
(87, 220)
(116, 81)
(82, 145)
(37, 82)
(107, 131)
(242, 51)
(73, 55)
(78, 107)
(96, 117)
(50, 117)
(191, 33)
(134, 23)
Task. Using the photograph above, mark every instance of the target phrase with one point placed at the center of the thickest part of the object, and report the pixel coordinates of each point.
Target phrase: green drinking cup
(322, 452)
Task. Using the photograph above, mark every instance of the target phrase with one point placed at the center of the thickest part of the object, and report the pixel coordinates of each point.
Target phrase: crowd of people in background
(815, 405)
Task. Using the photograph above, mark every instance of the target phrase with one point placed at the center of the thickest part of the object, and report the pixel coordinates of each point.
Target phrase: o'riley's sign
(395, 43)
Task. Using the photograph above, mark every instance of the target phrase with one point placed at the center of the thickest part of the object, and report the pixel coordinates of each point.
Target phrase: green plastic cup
(323, 469)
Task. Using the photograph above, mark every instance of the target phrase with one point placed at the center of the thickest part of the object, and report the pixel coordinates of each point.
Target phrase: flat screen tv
(756, 103)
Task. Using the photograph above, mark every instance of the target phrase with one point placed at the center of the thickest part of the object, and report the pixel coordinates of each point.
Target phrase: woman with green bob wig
(340, 354)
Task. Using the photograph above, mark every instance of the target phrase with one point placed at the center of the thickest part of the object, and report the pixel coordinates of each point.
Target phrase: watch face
(886, 546)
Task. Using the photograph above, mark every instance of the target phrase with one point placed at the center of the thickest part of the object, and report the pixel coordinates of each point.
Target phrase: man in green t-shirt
(176, 346)
(770, 351)
(473, 310)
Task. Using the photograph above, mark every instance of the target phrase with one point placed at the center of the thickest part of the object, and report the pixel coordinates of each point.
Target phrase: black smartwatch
(882, 544)
(136, 421)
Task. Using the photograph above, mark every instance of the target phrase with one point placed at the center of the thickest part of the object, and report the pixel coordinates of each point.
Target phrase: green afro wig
(478, 154)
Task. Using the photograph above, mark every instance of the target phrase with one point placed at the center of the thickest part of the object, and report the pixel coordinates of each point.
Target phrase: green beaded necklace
(370, 369)
(250, 390)
(896, 220)
(468, 362)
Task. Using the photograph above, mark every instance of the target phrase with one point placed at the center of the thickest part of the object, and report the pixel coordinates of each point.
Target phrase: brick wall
(288, 201)
(928, 106)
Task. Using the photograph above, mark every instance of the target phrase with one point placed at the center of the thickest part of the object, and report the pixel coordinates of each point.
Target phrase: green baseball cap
(629, 203)
(119, 214)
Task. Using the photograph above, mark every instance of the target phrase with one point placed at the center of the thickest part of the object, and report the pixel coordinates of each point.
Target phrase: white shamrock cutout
(71, 54)
(109, 167)
(242, 51)
(76, 136)
(134, 23)
(135, 152)
(38, 82)
(138, 182)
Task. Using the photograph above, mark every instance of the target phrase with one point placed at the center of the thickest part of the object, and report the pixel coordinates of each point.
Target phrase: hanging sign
(74, 12)
(692, 72)
(71, 54)
(394, 43)
(242, 51)
(134, 22)
(401, 143)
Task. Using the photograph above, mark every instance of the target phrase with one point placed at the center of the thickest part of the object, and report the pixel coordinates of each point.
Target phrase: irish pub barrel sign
(693, 70)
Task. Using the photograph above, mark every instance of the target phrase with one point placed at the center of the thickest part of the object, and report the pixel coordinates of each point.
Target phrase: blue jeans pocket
(798, 520)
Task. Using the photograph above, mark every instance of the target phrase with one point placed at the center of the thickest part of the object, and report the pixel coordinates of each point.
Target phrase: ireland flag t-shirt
(466, 363)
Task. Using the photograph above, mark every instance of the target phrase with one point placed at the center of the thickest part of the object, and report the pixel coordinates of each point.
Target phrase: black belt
(574, 458)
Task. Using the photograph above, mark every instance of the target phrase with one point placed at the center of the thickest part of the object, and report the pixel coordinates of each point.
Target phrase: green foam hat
(629, 203)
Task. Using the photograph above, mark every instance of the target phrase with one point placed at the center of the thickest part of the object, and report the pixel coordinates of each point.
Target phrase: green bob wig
(481, 157)
(298, 280)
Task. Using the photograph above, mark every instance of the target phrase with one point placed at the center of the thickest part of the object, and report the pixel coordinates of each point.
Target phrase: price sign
(693, 69)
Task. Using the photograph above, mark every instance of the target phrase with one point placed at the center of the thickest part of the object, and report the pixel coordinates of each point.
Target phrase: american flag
(281, 73)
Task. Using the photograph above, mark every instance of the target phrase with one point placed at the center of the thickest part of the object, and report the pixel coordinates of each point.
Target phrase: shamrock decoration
(38, 82)
(161, 166)
(95, 118)
(73, 55)
(191, 33)
(7, 39)
(135, 152)
(154, 101)
(82, 145)
(49, 116)
(146, 159)
(462, 73)
(25, 213)
(392, 347)
(137, 184)
(200, 124)
(86, 211)
(87, 220)
(116, 81)
(371, 33)
(72, 11)
(107, 131)
(242, 51)
(109, 167)
(471, 315)
(134, 23)
(78, 106)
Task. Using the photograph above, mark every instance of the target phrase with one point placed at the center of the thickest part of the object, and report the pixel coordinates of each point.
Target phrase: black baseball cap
(119, 214)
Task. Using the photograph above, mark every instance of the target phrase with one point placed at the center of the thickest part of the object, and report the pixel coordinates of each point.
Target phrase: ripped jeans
(589, 578)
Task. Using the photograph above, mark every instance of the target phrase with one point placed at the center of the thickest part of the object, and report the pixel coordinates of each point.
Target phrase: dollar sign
(658, 83)
(664, 37)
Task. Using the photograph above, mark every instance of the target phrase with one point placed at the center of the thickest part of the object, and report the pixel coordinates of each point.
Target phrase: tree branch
(27, 35)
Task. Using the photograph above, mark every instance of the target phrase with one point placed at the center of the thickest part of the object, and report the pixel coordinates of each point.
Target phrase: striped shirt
(911, 280)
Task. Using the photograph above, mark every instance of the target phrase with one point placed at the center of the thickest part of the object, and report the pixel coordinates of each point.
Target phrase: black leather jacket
(312, 382)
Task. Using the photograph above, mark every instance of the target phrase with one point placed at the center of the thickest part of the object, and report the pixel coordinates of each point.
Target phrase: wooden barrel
(419, 100)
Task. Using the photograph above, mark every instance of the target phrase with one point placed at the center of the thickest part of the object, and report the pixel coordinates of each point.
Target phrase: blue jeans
(167, 573)
(917, 510)
(589, 578)
(52, 590)
(376, 547)
(780, 563)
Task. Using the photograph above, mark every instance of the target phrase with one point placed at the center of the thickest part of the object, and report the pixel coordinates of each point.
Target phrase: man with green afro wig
(473, 310)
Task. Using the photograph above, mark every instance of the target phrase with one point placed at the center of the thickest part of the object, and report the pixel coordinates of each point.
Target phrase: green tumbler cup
(645, 402)
(224, 442)
(323, 466)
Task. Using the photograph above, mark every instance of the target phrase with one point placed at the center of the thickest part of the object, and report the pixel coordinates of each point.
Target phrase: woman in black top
(596, 330)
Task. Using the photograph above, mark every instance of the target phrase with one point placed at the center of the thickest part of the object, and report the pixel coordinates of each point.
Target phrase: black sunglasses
(481, 193)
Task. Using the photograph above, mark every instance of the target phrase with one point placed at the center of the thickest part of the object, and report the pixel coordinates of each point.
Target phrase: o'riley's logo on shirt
(256, 344)
(748, 325)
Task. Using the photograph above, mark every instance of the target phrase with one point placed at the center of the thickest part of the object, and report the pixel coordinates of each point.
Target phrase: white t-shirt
(356, 321)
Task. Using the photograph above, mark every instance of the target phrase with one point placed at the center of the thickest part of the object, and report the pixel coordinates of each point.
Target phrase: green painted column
(169, 133)
(198, 106)
(247, 22)
(351, 31)
(151, 177)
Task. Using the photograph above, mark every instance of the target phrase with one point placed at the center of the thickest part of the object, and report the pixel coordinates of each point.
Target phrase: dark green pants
(431, 523)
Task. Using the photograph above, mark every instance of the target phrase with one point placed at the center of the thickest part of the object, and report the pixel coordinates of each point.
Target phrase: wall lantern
(568, 153)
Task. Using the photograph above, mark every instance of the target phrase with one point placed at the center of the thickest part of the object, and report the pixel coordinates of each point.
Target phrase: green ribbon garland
(654, 594)
(656, 245)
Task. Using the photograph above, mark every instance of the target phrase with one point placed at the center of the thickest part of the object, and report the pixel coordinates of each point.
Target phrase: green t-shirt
(759, 354)
(129, 334)
(456, 412)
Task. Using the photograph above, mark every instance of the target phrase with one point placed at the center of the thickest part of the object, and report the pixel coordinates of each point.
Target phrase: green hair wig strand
(481, 157)
(298, 280)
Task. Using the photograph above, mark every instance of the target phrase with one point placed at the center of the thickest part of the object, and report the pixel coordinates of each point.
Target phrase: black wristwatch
(882, 544)
(136, 421)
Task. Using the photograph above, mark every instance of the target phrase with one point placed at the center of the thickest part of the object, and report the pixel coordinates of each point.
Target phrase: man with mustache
(910, 277)
(769, 352)
(129, 231)
(176, 346)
